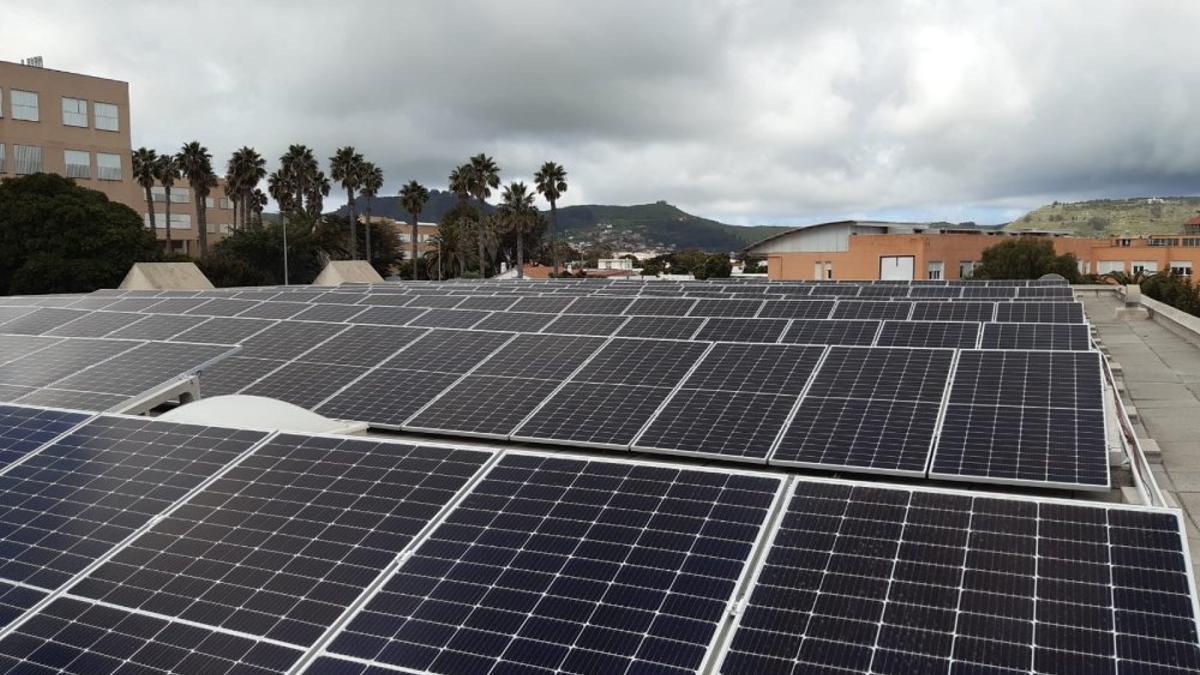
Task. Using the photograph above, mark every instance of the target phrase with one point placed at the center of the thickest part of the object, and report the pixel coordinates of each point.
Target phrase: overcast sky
(749, 112)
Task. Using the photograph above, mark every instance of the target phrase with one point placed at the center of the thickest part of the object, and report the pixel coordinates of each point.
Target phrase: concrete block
(165, 276)
(1132, 412)
(1150, 449)
(1129, 495)
(339, 272)
(1115, 367)
(1132, 314)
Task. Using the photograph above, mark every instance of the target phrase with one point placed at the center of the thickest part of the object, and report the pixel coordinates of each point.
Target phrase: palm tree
(280, 190)
(166, 170)
(460, 182)
(413, 197)
(484, 176)
(299, 168)
(517, 214)
(242, 175)
(196, 164)
(318, 190)
(371, 184)
(258, 201)
(346, 167)
(551, 183)
(145, 168)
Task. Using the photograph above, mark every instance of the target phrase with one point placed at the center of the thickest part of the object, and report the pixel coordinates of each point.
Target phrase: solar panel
(157, 327)
(1046, 292)
(72, 636)
(224, 330)
(67, 398)
(1029, 378)
(596, 305)
(550, 357)
(449, 318)
(15, 600)
(220, 307)
(334, 313)
(561, 565)
(262, 295)
(953, 311)
(280, 545)
(273, 310)
(594, 415)
(9, 392)
(976, 291)
(174, 306)
(952, 334)
(868, 409)
(544, 304)
(95, 324)
(132, 304)
(586, 324)
(796, 309)
(864, 578)
(1040, 312)
(658, 363)
(515, 322)
(1054, 336)
(41, 321)
(485, 406)
(231, 375)
(776, 369)
(742, 330)
(488, 302)
(831, 332)
(385, 299)
(288, 339)
(835, 289)
(386, 397)
(77, 498)
(660, 306)
(13, 347)
(661, 327)
(143, 368)
(924, 291)
(389, 316)
(10, 313)
(729, 308)
(871, 309)
(304, 383)
(448, 351)
(362, 345)
(438, 301)
(24, 429)
(60, 360)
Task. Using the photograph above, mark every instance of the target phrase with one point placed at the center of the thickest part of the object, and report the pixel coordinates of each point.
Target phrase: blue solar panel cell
(24, 429)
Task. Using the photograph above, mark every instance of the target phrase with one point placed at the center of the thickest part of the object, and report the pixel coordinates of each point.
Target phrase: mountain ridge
(1113, 217)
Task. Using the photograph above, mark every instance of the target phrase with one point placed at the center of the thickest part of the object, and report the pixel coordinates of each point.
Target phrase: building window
(158, 194)
(934, 270)
(209, 203)
(219, 228)
(106, 117)
(2, 169)
(1181, 267)
(179, 221)
(828, 269)
(1145, 267)
(226, 203)
(24, 105)
(1109, 266)
(179, 195)
(966, 269)
(1191, 242)
(79, 163)
(27, 159)
(74, 112)
(1122, 242)
(108, 166)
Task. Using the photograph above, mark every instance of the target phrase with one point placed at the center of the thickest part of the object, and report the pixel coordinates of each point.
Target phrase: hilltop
(642, 226)
(1111, 217)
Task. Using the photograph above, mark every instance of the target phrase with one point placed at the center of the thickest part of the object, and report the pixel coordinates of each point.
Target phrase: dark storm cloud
(747, 111)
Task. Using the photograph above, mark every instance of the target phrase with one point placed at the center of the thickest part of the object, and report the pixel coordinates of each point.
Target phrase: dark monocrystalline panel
(175, 305)
(220, 307)
(95, 324)
(742, 330)
(949, 334)
(1056, 336)
(532, 573)
(385, 299)
(586, 324)
(274, 310)
(448, 351)
(660, 306)
(449, 318)
(496, 303)
(725, 424)
(23, 429)
(730, 308)
(143, 368)
(288, 339)
(133, 304)
(231, 375)
(884, 373)
(1046, 292)
(323, 312)
(9, 313)
(305, 384)
(1040, 312)
(387, 397)
(11, 392)
(658, 363)
(13, 347)
(14, 601)
(595, 305)
(342, 297)
(661, 327)
(438, 301)
(953, 311)
(547, 305)
(482, 405)
(923, 291)
(516, 322)
(60, 360)
(224, 331)
(92, 302)
(607, 415)
(70, 503)
(998, 292)
(284, 542)
(550, 357)
(835, 290)
(41, 321)
(388, 316)
(362, 345)
(158, 327)
(873, 435)
(883, 291)
(262, 295)
(770, 369)
(830, 332)
(1032, 378)
(70, 398)
(81, 638)
(872, 309)
(1028, 445)
(796, 309)
(886, 580)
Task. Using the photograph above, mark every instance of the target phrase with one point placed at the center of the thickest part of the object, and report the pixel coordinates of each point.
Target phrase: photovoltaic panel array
(879, 579)
(562, 565)
(25, 429)
(949, 334)
(1025, 417)
(1057, 336)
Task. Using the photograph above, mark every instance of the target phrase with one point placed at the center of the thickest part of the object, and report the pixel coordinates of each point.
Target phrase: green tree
(145, 169)
(372, 183)
(413, 198)
(518, 215)
(167, 172)
(482, 178)
(196, 164)
(298, 171)
(716, 266)
(245, 169)
(57, 237)
(346, 167)
(1025, 258)
(551, 182)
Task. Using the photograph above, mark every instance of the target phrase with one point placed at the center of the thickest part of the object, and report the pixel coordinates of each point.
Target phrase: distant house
(1192, 226)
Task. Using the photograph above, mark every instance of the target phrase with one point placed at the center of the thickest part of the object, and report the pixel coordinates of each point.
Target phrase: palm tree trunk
(202, 222)
(150, 208)
(235, 214)
(167, 204)
(353, 228)
(520, 257)
(414, 251)
(554, 232)
(482, 267)
(439, 259)
(367, 227)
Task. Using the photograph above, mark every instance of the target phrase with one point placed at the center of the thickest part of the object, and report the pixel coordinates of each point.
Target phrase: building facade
(877, 250)
(426, 235)
(185, 221)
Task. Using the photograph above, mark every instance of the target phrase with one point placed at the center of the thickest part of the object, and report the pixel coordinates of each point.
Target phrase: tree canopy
(1025, 258)
(57, 237)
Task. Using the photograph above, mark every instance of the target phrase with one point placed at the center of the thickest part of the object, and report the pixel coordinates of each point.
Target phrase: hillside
(643, 226)
(1111, 217)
